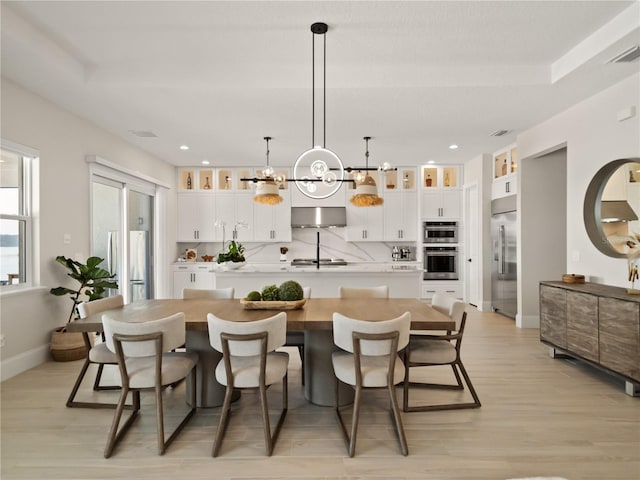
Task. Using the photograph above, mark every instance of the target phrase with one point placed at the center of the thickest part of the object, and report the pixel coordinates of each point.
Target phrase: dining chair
(97, 353)
(296, 339)
(433, 350)
(215, 293)
(369, 359)
(146, 363)
(366, 292)
(249, 361)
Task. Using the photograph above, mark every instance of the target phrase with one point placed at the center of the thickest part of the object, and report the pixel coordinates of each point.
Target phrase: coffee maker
(403, 254)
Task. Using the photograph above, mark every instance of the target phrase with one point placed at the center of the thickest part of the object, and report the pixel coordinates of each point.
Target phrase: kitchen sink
(324, 262)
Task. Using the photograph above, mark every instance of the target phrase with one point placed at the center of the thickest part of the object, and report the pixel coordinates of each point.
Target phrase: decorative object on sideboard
(632, 264)
(572, 278)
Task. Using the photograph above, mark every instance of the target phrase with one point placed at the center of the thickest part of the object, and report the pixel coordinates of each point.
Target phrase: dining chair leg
(398, 420)
(354, 420)
(472, 390)
(224, 420)
(159, 420)
(76, 386)
(265, 419)
(115, 434)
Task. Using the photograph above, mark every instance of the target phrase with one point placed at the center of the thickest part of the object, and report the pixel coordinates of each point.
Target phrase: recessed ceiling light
(205, 162)
(184, 147)
(453, 146)
(431, 162)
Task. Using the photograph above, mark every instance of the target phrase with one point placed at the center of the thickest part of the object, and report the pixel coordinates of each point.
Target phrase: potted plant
(234, 256)
(93, 282)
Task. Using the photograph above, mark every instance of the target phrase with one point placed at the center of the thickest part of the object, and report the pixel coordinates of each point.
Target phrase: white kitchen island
(403, 278)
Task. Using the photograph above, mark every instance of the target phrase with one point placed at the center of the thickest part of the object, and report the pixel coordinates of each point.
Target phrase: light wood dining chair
(214, 294)
(146, 363)
(365, 292)
(433, 350)
(97, 354)
(296, 339)
(249, 361)
(369, 359)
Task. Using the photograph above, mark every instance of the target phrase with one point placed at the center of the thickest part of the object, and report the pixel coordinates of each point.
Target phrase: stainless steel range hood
(318, 217)
(617, 211)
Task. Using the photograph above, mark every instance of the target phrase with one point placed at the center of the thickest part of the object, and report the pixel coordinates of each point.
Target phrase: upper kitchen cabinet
(400, 205)
(234, 216)
(196, 217)
(195, 180)
(272, 223)
(441, 194)
(364, 224)
(229, 179)
(441, 177)
(505, 168)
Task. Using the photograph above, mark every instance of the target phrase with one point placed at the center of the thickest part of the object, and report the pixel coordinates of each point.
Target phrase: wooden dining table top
(316, 314)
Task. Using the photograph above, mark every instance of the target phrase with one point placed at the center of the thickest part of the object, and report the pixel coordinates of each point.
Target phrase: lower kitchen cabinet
(193, 276)
(596, 323)
(453, 288)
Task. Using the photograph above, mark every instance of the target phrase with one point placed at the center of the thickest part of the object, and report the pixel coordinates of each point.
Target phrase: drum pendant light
(366, 191)
(267, 188)
(318, 172)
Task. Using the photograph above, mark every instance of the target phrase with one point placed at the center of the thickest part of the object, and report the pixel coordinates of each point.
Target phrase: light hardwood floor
(539, 417)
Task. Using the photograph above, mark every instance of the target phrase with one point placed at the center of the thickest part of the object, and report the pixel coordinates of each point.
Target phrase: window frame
(29, 158)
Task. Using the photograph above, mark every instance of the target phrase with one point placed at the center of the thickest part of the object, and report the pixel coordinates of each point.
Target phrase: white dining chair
(435, 350)
(97, 353)
(146, 362)
(369, 359)
(249, 361)
(213, 294)
(365, 292)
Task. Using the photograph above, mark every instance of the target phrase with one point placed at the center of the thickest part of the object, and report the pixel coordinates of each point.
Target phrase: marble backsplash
(303, 245)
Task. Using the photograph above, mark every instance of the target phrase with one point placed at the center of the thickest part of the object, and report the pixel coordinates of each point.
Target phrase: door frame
(472, 291)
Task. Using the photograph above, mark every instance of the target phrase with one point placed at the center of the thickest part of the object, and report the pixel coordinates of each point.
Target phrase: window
(15, 216)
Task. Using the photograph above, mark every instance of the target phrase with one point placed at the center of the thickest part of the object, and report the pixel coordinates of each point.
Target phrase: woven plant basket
(67, 346)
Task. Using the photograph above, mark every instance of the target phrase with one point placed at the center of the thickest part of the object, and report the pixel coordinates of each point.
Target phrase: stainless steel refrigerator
(504, 270)
(139, 271)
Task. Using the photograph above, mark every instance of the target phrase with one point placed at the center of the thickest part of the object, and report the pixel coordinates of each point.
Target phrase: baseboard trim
(13, 366)
(527, 321)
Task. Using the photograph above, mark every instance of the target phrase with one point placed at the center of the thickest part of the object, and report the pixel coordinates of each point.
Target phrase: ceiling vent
(143, 133)
(498, 133)
(629, 55)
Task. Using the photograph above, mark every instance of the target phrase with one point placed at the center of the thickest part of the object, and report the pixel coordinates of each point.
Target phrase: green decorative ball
(290, 291)
(254, 296)
(270, 293)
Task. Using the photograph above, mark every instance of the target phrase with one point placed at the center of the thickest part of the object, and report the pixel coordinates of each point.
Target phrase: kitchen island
(403, 278)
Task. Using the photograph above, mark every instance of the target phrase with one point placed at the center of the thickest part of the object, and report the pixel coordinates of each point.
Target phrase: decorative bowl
(272, 305)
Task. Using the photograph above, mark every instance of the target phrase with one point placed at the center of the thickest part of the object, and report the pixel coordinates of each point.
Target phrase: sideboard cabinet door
(553, 315)
(620, 336)
(582, 325)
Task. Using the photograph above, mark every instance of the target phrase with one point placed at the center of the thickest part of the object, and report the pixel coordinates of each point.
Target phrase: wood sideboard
(596, 323)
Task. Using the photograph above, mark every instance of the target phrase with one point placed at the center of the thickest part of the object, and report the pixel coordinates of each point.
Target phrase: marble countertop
(285, 267)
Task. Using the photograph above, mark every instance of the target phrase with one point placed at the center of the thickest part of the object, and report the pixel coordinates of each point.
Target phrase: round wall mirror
(612, 205)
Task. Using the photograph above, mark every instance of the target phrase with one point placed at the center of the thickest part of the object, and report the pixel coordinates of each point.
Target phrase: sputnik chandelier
(318, 172)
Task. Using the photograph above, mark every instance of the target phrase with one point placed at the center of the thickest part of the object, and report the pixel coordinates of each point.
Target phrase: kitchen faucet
(318, 251)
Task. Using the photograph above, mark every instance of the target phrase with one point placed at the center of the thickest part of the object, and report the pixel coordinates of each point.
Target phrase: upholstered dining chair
(249, 360)
(215, 293)
(97, 354)
(429, 350)
(369, 359)
(365, 292)
(296, 339)
(146, 362)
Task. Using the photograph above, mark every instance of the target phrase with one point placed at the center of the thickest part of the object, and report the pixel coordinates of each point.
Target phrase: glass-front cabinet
(505, 169)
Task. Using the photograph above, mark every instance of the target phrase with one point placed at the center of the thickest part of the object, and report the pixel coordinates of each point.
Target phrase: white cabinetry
(192, 276)
(272, 223)
(365, 224)
(505, 168)
(441, 205)
(196, 217)
(429, 289)
(233, 209)
(400, 205)
(441, 196)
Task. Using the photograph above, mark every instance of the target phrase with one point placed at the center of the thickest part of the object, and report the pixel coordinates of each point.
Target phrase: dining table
(314, 317)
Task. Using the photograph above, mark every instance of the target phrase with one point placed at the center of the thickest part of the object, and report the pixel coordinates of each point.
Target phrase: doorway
(122, 231)
(472, 260)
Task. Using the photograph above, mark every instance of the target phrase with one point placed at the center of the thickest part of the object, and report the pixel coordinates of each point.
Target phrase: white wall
(63, 141)
(593, 137)
(479, 170)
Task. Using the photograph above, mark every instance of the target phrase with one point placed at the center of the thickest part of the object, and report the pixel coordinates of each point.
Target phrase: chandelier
(267, 188)
(366, 190)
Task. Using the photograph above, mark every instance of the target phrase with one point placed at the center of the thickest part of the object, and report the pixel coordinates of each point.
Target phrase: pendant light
(318, 172)
(267, 188)
(366, 190)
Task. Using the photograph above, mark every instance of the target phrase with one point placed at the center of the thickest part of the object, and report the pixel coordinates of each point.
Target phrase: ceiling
(416, 76)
